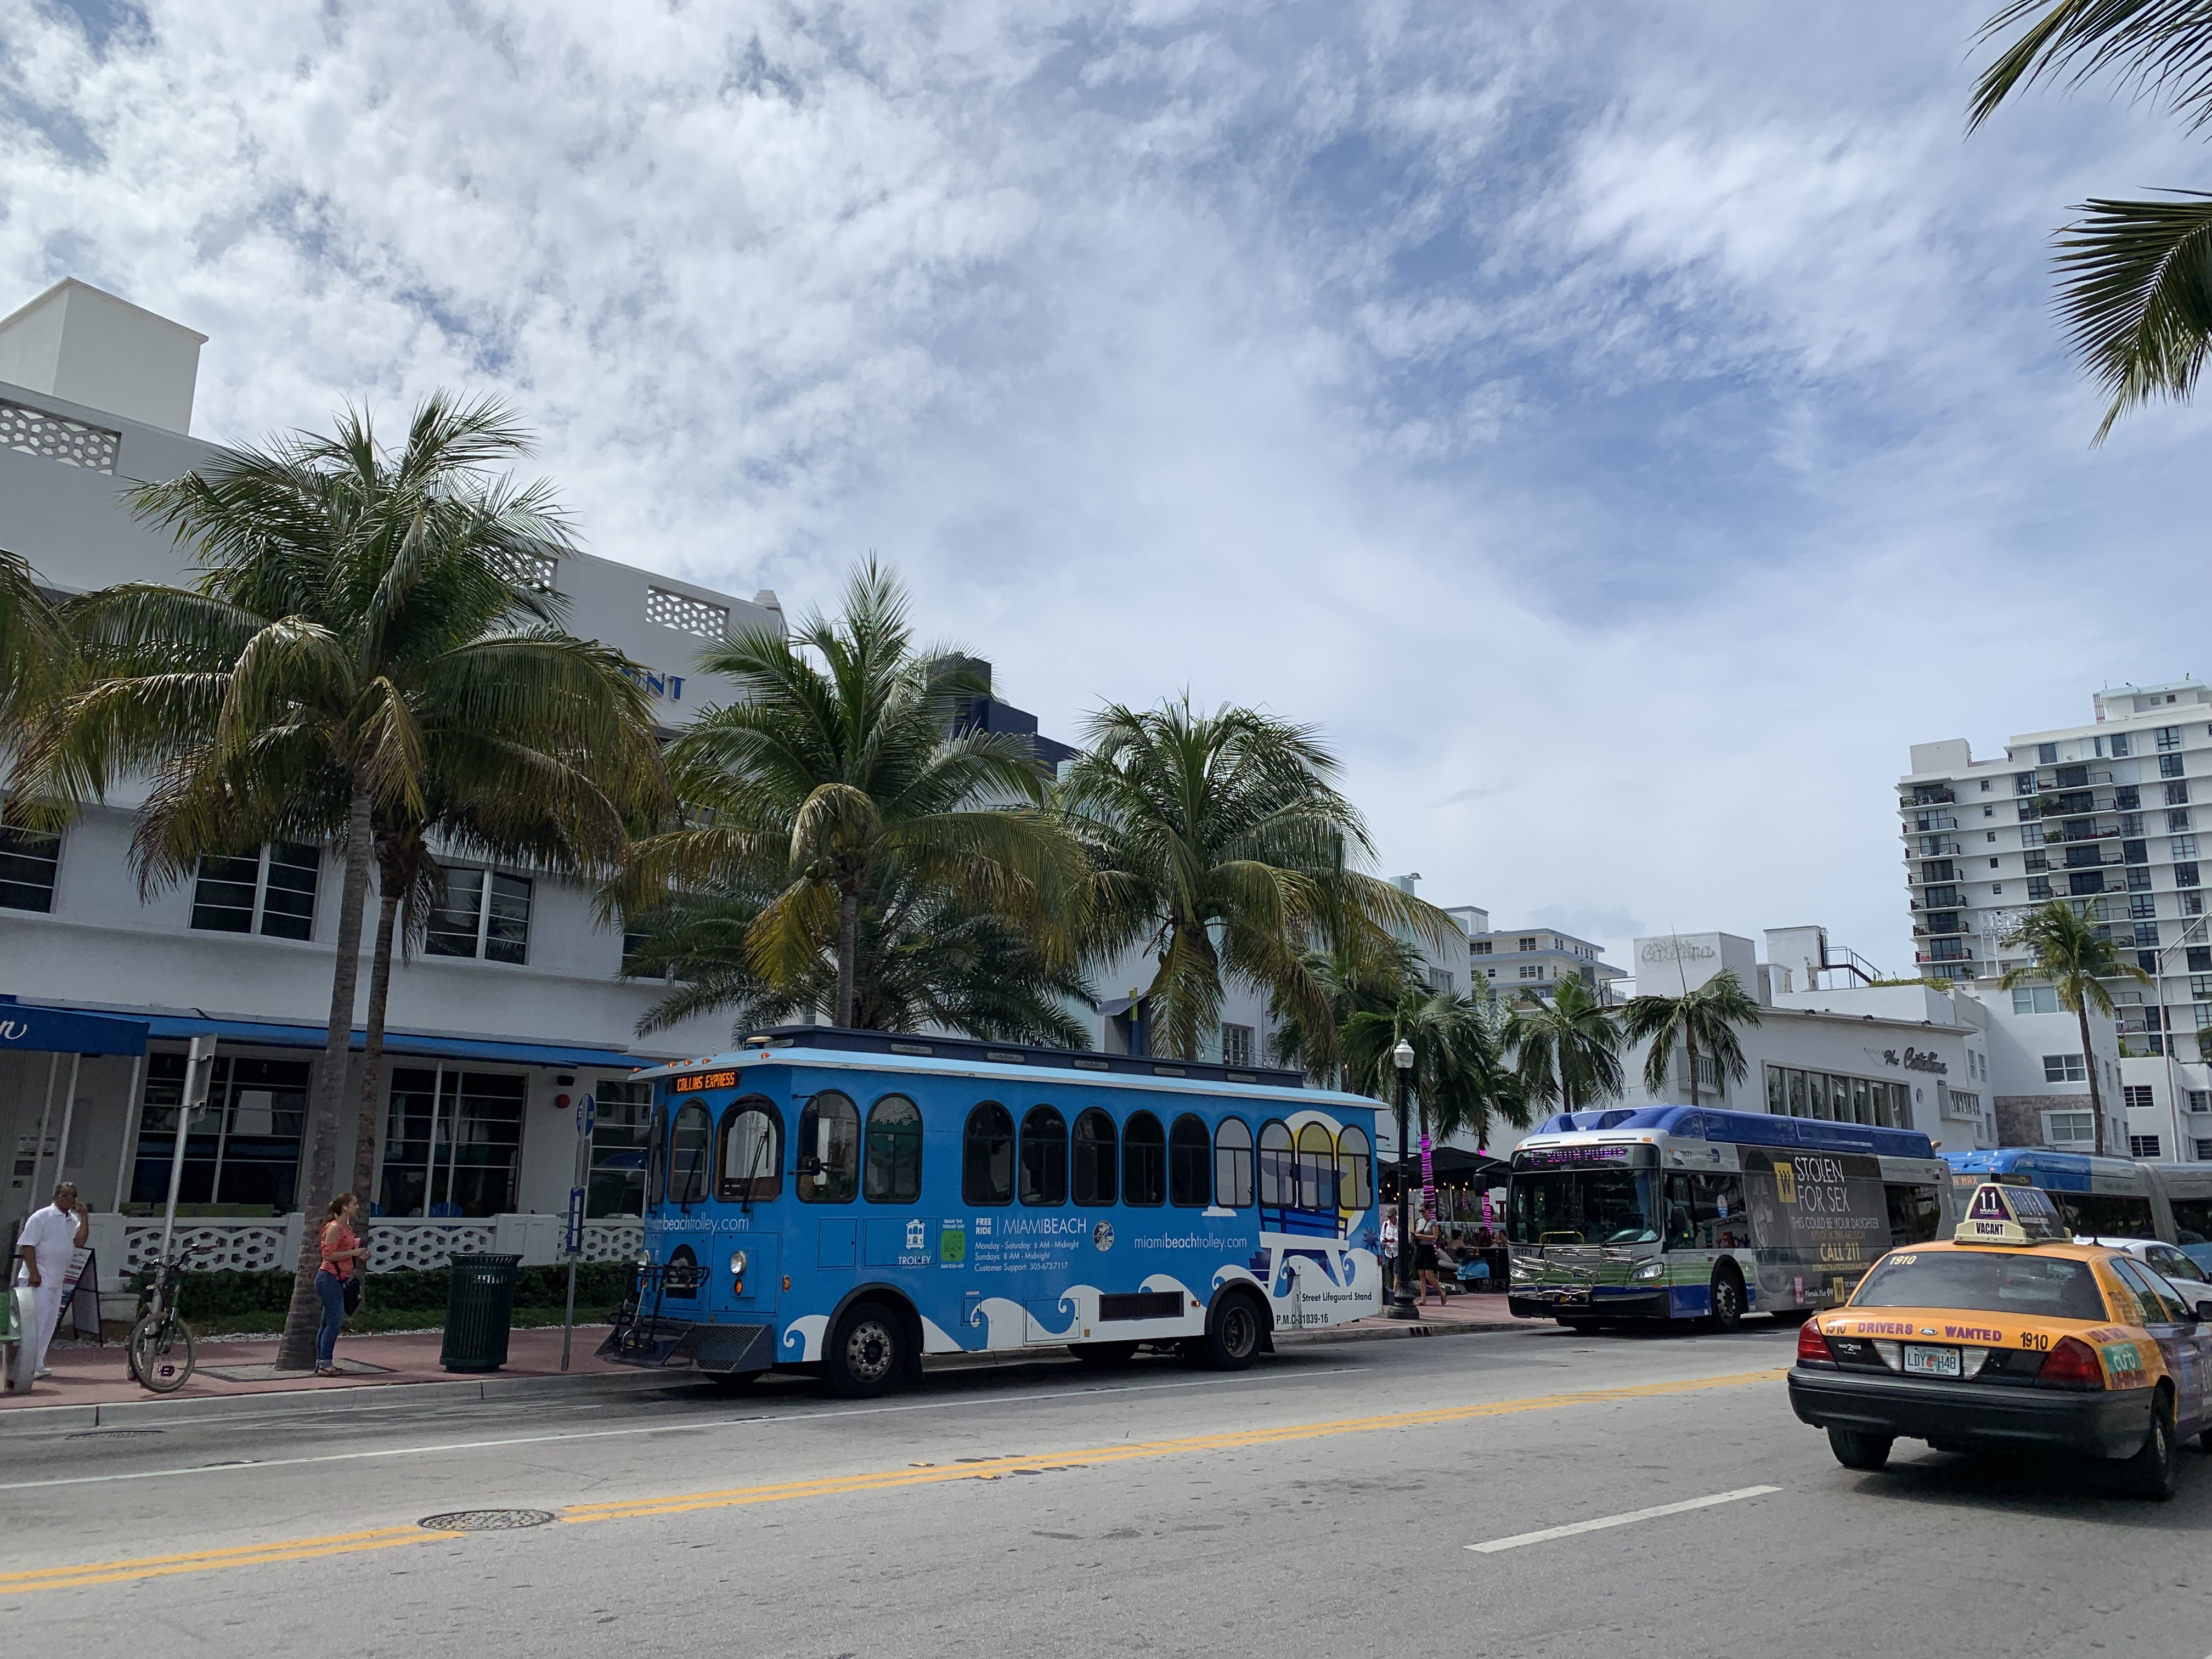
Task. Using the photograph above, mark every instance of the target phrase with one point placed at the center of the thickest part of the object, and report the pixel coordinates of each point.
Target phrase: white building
(2101, 815)
(1511, 960)
(511, 1013)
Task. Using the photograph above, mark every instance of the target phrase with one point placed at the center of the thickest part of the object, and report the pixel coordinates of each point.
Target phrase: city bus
(849, 1201)
(2104, 1197)
(1683, 1212)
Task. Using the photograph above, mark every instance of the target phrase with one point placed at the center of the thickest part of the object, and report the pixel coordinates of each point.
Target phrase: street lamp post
(1401, 1303)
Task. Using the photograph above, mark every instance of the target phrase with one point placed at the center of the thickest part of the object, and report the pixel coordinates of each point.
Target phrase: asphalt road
(1322, 1503)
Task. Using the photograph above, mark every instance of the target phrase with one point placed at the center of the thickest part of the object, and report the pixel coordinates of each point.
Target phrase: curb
(1411, 1327)
(307, 1402)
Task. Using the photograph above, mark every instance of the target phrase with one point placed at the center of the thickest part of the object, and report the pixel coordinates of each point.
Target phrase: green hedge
(228, 1301)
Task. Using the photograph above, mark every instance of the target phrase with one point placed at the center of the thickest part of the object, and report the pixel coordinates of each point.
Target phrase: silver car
(2164, 1259)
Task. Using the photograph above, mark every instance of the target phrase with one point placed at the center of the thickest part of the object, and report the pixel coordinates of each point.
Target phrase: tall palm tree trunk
(1690, 1044)
(2090, 1065)
(372, 1058)
(296, 1351)
(849, 949)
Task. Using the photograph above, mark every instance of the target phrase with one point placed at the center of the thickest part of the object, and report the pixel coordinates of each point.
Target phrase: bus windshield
(1583, 1206)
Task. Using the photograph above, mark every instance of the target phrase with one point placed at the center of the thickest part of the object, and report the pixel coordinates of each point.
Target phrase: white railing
(128, 1244)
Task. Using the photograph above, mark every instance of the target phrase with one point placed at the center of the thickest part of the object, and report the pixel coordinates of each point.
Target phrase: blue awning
(66, 1031)
(73, 1031)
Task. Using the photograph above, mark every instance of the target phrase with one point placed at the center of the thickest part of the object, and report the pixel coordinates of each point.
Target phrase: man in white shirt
(43, 1250)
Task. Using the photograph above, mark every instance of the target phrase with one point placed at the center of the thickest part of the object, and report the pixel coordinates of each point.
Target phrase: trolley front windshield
(1583, 1206)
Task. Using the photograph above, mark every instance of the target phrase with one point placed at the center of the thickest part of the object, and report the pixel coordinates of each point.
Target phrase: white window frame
(2086, 1121)
(2070, 1068)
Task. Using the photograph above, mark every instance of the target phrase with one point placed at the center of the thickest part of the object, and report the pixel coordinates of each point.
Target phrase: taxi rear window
(2051, 1286)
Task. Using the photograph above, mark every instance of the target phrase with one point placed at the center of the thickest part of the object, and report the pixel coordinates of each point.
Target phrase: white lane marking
(1603, 1522)
(243, 1464)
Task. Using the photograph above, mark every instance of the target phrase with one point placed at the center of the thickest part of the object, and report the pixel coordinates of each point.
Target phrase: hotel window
(1532, 971)
(2138, 1096)
(2119, 745)
(2204, 1152)
(2199, 1100)
(2030, 834)
(271, 892)
(2069, 1130)
(28, 861)
(2046, 754)
(1480, 947)
(2200, 959)
(2201, 987)
(483, 915)
(453, 1142)
(2185, 875)
(2146, 936)
(2065, 1068)
(2141, 905)
(2035, 1000)
(2177, 795)
(2169, 737)
(2039, 887)
(2144, 1146)
(243, 1152)
(1526, 945)
(2182, 847)
(2127, 800)
(2169, 766)
(1237, 1046)
(2192, 903)
(1989, 811)
(619, 1138)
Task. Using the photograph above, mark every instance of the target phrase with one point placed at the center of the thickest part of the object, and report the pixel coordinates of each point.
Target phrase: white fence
(128, 1244)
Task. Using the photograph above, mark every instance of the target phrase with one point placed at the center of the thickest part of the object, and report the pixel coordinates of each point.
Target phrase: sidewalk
(1463, 1315)
(86, 1376)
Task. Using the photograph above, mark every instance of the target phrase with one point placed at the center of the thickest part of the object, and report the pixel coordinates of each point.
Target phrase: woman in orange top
(342, 1254)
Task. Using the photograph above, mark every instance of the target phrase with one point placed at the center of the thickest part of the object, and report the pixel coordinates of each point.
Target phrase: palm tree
(2066, 949)
(1353, 981)
(1220, 847)
(2136, 289)
(1461, 1078)
(1704, 1020)
(361, 614)
(1569, 1049)
(833, 766)
(34, 646)
(920, 959)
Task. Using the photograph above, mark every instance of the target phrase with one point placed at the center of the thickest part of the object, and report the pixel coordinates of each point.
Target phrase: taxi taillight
(2072, 1364)
(1811, 1346)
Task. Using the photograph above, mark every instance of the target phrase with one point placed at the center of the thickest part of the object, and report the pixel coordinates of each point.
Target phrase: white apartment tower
(2103, 815)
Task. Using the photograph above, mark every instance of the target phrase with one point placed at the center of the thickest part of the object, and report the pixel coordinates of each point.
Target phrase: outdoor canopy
(65, 1032)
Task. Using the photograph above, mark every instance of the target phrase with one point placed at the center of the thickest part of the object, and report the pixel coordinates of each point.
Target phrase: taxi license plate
(1930, 1361)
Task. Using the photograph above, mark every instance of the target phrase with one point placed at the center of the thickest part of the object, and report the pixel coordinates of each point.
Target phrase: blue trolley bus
(852, 1201)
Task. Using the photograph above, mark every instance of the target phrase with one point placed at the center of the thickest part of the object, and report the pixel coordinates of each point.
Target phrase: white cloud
(1625, 432)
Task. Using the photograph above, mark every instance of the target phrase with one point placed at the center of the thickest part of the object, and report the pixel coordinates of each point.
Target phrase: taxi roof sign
(2009, 1215)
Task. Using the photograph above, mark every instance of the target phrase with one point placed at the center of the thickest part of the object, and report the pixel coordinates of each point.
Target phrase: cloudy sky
(1624, 428)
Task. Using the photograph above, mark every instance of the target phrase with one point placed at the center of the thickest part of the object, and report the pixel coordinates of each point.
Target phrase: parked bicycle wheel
(161, 1353)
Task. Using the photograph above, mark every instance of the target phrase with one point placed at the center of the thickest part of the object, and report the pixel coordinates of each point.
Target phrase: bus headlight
(645, 1258)
(1650, 1270)
(1522, 1270)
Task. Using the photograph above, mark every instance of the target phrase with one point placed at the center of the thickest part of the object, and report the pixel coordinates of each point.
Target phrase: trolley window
(986, 1156)
(1317, 1168)
(656, 1156)
(1095, 1158)
(1044, 1157)
(829, 1150)
(1354, 1169)
(752, 1151)
(1143, 1161)
(1278, 1182)
(687, 1152)
(891, 1172)
(1233, 1164)
(1190, 1184)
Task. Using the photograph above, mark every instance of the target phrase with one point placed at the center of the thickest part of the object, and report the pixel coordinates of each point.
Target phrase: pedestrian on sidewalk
(342, 1254)
(1425, 1234)
(1389, 1249)
(43, 1250)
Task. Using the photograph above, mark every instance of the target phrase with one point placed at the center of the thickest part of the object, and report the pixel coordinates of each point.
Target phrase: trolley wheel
(1728, 1299)
(867, 1353)
(1232, 1333)
(1855, 1448)
(1103, 1356)
(161, 1353)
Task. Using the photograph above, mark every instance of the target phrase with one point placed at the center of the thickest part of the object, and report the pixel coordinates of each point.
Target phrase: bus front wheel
(867, 1355)
(1727, 1300)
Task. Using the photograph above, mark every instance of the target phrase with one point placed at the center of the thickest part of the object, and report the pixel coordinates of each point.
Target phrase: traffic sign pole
(587, 1114)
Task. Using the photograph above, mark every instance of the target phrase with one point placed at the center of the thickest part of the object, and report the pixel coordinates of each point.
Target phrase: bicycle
(161, 1355)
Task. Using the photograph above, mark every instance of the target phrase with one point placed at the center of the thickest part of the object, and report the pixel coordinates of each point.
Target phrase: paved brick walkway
(89, 1376)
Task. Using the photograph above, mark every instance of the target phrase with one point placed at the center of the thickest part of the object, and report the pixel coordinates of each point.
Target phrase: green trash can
(479, 1306)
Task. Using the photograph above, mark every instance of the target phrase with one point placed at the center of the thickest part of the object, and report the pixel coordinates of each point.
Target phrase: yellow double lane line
(305, 1549)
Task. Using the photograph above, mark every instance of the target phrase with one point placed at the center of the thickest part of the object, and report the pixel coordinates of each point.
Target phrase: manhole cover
(487, 1520)
(109, 1434)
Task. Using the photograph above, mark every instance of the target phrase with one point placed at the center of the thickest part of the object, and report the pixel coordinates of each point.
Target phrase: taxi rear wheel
(1857, 1449)
(2155, 1471)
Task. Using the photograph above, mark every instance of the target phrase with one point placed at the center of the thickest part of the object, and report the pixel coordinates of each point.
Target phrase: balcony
(1923, 821)
(1923, 796)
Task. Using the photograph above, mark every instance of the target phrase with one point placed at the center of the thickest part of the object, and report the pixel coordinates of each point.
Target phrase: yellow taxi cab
(2014, 1336)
